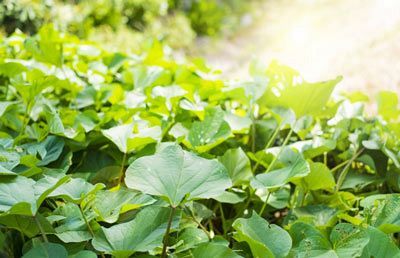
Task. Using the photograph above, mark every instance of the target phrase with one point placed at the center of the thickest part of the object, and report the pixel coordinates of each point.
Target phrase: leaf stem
(121, 172)
(198, 223)
(165, 244)
(345, 170)
(265, 204)
(41, 229)
(222, 218)
(86, 222)
(273, 137)
(280, 150)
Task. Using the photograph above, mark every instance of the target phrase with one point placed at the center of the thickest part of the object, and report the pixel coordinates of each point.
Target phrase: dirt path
(359, 39)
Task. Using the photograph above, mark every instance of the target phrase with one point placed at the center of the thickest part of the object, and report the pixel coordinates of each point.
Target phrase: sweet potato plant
(112, 154)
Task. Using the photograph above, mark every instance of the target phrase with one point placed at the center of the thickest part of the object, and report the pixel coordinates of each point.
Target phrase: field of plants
(114, 154)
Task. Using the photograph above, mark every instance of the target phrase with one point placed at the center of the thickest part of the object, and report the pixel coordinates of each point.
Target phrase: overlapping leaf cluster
(127, 155)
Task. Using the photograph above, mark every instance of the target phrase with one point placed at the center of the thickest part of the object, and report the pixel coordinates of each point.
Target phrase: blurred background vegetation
(125, 24)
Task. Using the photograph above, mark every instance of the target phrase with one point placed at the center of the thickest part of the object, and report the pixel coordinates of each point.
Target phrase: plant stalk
(265, 204)
(121, 172)
(280, 150)
(165, 244)
(41, 229)
(345, 170)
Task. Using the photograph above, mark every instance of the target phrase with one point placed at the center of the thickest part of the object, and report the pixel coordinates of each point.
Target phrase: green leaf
(380, 245)
(6, 172)
(17, 195)
(264, 239)
(320, 177)
(4, 105)
(189, 238)
(295, 167)
(210, 132)
(75, 190)
(23, 196)
(49, 150)
(345, 240)
(318, 215)
(388, 218)
(283, 91)
(47, 250)
(238, 166)
(84, 254)
(388, 105)
(207, 250)
(177, 175)
(142, 234)
(109, 204)
(348, 240)
(230, 197)
(71, 226)
(126, 141)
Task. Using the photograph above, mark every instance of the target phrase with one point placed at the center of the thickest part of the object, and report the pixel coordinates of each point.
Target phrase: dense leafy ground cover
(136, 155)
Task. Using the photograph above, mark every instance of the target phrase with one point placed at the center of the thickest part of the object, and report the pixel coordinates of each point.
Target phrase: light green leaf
(264, 239)
(295, 167)
(75, 190)
(388, 218)
(286, 88)
(189, 238)
(380, 245)
(230, 197)
(4, 105)
(109, 204)
(210, 132)
(176, 175)
(348, 240)
(17, 195)
(126, 141)
(238, 166)
(142, 234)
(320, 177)
(388, 105)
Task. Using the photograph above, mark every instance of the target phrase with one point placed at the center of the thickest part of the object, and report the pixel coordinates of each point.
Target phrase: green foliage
(110, 154)
(175, 22)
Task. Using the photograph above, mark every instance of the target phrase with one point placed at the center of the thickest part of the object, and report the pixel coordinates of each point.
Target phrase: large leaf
(176, 175)
(264, 239)
(295, 166)
(142, 234)
(210, 132)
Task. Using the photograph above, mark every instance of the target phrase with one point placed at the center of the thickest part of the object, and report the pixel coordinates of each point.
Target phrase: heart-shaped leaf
(175, 175)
